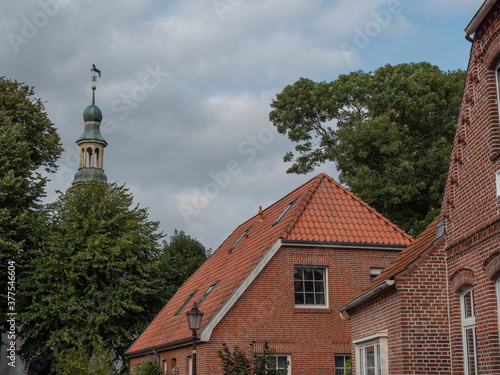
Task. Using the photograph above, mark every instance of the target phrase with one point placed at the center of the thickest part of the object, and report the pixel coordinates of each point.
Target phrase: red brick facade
(412, 312)
(451, 298)
(470, 206)
(266, 313)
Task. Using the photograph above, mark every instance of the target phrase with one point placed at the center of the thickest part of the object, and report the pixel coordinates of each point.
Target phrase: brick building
(470, 208)
(410, 324)
(278, 279)
(399, 324)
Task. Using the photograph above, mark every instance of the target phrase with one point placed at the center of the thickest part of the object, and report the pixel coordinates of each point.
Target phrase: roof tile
(320, 200)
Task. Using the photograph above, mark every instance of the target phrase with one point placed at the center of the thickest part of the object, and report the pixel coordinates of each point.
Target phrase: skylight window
(239, 239)
(210, 288)
(284, 212)
(185, 303)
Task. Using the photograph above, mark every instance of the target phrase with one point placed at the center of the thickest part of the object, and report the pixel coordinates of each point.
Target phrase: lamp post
(194, 318)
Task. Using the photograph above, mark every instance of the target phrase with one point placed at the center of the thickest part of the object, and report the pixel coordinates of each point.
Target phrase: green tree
(179, 259)
(96, 275)
(29, 144)
(84, 359)
(389, 133)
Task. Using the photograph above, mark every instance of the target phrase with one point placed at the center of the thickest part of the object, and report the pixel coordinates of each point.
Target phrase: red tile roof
(323, 210)
(403, 262)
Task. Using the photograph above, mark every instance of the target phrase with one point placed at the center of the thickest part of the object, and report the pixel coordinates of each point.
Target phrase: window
(284, 212)
(497, 285)
(498, 84)
(281, 363)
(239, 239)
(210, 288)
(371, 354)
(185, 303)
(469, 331)
(374, 272)
(310, 286)
(369, 359)
(340, 363)
(497, 180)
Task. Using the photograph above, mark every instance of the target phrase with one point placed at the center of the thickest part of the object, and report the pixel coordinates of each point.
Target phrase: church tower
(91, 145)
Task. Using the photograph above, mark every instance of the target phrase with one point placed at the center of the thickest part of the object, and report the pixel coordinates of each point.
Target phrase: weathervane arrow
(95, 71)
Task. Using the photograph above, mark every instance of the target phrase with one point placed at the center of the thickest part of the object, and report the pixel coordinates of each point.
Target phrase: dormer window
(241, 237)
(185, 303)
(210, 288)
(284, 212)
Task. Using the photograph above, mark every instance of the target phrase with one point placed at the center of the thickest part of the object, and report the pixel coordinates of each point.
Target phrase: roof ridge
(378, 214)
(302, 204)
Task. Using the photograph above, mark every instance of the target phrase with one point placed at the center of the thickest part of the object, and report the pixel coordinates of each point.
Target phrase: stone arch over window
(462, 280)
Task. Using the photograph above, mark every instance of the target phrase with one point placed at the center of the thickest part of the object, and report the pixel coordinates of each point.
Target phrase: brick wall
(266, 312)
(470, 206)
(414, 314)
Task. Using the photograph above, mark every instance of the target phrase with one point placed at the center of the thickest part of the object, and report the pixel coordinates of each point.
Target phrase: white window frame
(325, 282)
(468, 323)
(344, 356)
(374, 272)
(288, 361)
(497, 289)
(497, 181)
(379, 342)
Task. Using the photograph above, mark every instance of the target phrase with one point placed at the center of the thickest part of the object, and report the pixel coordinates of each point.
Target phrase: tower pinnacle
(91, 144)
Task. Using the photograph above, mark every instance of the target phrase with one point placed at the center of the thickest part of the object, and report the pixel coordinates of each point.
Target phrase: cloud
(186, 87)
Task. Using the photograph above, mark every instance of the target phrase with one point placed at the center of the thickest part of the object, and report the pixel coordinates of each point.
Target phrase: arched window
(97, 158)
(90, 160)
(468, 331)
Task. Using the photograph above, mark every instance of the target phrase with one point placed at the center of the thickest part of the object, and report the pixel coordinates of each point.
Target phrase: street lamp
(194, 318)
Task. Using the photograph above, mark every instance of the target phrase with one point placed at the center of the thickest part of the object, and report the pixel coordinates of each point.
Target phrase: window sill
(312, 310)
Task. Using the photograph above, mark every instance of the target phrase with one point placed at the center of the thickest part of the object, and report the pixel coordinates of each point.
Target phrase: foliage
(238, 362)
(147, 367)
(179, 259)
(95, 275)
(389, 133)
(84, 359)
(348, 365)
(28, 143)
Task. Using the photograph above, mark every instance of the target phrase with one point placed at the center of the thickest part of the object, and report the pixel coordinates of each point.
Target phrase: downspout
(478, 18)
(344, 317)
(157, 354)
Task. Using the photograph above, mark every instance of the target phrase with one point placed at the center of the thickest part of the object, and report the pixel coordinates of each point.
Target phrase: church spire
(91, 145)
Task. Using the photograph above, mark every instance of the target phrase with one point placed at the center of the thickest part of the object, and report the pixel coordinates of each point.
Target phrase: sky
(186, 87)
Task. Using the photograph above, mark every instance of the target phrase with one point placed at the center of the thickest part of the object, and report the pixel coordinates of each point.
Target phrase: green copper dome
(92, 132)
(92, 113)
(89, 174)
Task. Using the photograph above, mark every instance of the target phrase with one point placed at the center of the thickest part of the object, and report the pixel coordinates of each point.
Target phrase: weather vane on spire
(95, 71)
